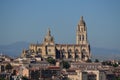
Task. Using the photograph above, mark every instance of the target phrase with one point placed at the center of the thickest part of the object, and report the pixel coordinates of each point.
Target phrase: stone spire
(49, 32)
(82, 22)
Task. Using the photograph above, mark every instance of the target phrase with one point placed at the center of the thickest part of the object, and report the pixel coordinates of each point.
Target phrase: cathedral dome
(48, 38)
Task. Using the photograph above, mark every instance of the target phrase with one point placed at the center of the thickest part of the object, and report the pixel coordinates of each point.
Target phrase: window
(63, 50)
(39, 50)
(70, 50)
(81, 29)
(82, 37)
(63, 56)
(76, 56)
(84, 50)
(76, 50)
(69, 56)
(49, 50)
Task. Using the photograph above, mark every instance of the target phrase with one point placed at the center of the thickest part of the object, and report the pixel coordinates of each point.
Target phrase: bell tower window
(81, 29)
(83, 37)
(80, 37)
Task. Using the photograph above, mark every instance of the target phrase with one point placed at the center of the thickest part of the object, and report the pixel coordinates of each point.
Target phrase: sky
(28, 20)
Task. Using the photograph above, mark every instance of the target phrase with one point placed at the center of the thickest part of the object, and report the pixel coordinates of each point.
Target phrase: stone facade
(73, 52)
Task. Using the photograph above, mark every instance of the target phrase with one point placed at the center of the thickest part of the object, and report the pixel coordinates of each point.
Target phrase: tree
(118, 78)
(8, 67)
(24, 78)
(51, 60)
(89, 61)
(2, 79)
(65, 65)
(115, 65)
(96, 60)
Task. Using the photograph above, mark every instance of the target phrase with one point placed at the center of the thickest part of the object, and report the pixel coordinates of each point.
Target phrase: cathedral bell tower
(81, 39)
(81, 33)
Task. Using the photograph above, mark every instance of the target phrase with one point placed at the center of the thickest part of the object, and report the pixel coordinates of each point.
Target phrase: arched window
(49, 50)
(83, 50)
(82, 37)
(83, 53)
(76, 56)
(69, 53)
(63, 50)
(69, 56)
(76, 53)
(70, 50)
(82, 29)
(76, 50)
(39, 50)
(63, 56)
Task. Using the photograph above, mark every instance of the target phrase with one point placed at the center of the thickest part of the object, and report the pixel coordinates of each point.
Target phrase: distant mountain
(15, 50)
(105, 54)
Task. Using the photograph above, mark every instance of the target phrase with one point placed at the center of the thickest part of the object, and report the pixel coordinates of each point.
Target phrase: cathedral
(72, 52)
